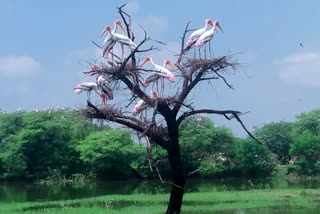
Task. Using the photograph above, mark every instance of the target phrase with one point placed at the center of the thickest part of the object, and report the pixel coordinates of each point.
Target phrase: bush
(253, 158)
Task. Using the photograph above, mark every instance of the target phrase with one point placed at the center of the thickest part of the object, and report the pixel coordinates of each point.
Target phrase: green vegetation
(307, 200)
(59, 145)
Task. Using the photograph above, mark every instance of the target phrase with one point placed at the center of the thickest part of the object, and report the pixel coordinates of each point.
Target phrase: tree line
(60, 143)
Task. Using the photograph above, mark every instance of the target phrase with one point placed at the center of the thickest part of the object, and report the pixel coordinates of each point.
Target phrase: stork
(160, 71)
(92, 69)
(88, 87)
(106, 91)
(208, 35)
(109, 42)
(142, 105)
(196, 34)
(122, 39)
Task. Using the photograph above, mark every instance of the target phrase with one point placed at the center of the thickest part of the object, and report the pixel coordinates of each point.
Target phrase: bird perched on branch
(88, 87)
(195, 35)
(109, 42)
(159, 71)
(92, 69)
(106, 91)
(141, 105)
(208, 35)
(122, 39)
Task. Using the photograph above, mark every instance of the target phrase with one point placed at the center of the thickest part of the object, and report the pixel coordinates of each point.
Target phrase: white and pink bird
(95, 67)
(142, 105)
(106, 91)
(195, 35)
(109, 42)
(208, 35)
(88, 87)
(160, 72)
(122, 39)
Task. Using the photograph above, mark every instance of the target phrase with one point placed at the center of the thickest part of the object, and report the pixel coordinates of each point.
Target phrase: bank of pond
(275, 201)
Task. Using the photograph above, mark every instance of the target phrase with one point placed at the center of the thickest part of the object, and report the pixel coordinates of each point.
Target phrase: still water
(19, 191)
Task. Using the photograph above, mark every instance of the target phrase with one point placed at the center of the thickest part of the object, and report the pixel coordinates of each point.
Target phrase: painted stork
(196, 34)
(88, 87)
(106, 91)
(109, 42)
(122, 39)
(160, 71)
(141, 105)
(208, 35)
(92, 69)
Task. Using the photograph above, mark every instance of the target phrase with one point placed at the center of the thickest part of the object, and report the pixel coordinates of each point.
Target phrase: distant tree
(308, 122)
(33, 144)
(166, 113)
(278, 138)
(306, 147)
(206, 149)
(111, 153)
(254, 159)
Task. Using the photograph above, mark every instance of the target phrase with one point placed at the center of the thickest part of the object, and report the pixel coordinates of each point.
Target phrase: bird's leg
(195, 53)
(199, 53)
(88, 95)
(157, 87)
(162, 85)
(205, 50)
(152, 85)
(122, 47)
(104, 101)
(112, 55)
(210, 49)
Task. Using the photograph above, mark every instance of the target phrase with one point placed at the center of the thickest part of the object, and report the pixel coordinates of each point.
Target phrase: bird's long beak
(105, 30)
(144, 62)
(121, 26)
(218, 25)
(172, 66)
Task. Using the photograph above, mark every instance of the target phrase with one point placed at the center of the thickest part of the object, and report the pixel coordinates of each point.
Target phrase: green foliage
(33, 144)
(206, 147)
(111, 152)
(278, 138)
(307, 148)
(308, 122)
(253, 158)
(306, 143)
(61, 145)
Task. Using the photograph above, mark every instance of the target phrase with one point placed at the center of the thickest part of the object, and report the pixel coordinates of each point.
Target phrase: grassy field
(205, 202)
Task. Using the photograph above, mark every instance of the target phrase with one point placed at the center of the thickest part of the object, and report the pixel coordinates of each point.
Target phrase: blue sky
(45, 47)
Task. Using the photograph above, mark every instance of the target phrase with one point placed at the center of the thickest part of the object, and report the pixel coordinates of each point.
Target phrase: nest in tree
(195, 64)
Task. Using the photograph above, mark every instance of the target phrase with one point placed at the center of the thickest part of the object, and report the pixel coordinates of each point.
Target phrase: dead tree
(166, 113)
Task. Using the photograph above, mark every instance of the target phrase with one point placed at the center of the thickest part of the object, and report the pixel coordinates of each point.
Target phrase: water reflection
(19, 191)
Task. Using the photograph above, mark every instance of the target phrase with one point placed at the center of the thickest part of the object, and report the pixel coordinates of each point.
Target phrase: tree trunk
(176, 196)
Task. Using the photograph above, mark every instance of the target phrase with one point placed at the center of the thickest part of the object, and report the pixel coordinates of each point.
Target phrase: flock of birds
(102, 87)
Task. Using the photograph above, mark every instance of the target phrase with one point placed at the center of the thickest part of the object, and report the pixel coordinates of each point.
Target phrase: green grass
(193, 202)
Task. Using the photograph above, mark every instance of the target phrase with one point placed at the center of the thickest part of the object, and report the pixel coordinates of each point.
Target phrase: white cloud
(19, 66)
(301, 69)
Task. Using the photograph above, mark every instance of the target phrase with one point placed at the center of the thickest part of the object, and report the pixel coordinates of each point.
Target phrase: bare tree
(161, 125)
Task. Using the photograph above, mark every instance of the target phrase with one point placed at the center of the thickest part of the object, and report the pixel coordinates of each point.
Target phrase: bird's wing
(124, 40)
(196, 34)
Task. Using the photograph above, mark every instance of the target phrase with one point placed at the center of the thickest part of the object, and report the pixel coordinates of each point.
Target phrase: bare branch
(182, 51)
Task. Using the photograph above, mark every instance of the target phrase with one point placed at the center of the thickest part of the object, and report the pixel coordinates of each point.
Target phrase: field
(280, 201)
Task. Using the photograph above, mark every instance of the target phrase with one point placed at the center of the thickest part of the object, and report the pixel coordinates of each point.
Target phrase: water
(21, 191)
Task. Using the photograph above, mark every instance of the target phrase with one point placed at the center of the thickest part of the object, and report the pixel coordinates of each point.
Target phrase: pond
(21, 191)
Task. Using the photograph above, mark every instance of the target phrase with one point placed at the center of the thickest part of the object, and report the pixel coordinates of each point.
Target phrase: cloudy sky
(45, 47)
